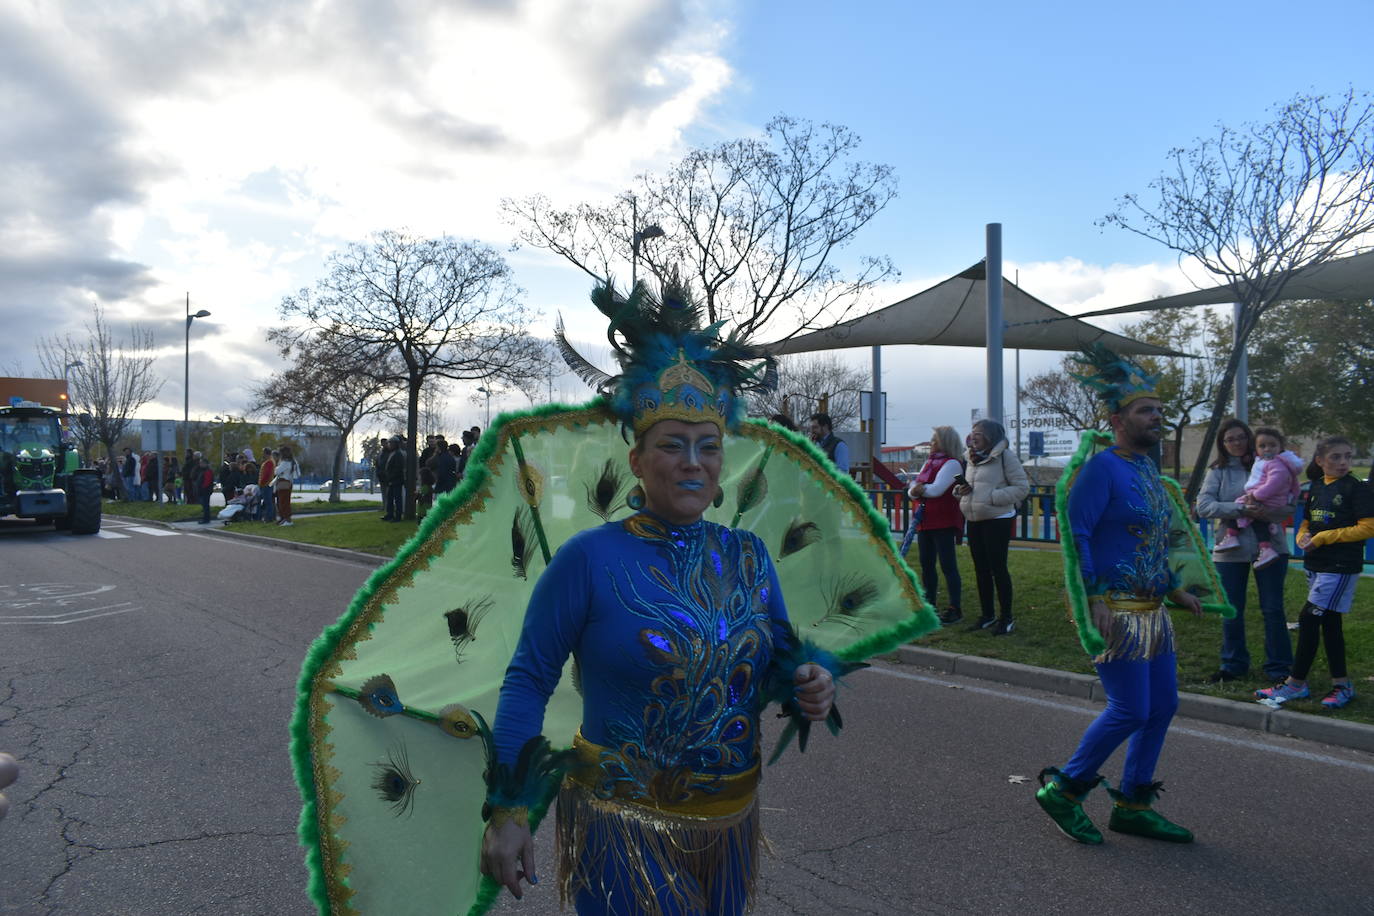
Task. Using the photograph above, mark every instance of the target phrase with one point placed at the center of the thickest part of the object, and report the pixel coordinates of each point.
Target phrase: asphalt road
(146, 682)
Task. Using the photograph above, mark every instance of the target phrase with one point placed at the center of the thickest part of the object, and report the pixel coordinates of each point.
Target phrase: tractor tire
(84, 515)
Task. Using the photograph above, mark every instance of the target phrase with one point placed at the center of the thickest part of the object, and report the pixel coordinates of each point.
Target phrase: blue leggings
(1142, 697)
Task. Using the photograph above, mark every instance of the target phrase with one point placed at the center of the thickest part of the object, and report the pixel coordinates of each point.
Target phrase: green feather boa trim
(1077, 592)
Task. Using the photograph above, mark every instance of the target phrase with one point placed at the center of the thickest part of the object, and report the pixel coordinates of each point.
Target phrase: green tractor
(39, 473)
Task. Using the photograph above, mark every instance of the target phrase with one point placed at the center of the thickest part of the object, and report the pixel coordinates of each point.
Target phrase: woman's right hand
(508, 854)
(961, 490)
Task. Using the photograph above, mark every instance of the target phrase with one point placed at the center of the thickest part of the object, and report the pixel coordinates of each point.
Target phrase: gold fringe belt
(1141, 629)
(684, 855)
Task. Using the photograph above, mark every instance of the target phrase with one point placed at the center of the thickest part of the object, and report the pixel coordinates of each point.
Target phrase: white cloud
(225, 150)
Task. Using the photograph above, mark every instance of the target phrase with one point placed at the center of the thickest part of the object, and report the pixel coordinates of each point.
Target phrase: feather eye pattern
(847, 599)
(799, 535)
(752, 489)
(521, 543)
(603, 495)
(462, 623)
(394, 782)
(531, 483)
(379, 696)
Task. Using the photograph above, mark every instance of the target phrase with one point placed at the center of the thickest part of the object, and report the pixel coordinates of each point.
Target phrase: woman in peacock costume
(639, 624)
(1130, 552)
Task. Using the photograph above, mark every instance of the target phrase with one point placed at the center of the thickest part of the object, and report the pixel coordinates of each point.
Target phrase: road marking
(1182, 730)
(80, 616)
(155, 532)
(109, 535)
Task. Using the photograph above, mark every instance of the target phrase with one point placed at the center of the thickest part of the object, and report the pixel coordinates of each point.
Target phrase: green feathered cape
(389, 696)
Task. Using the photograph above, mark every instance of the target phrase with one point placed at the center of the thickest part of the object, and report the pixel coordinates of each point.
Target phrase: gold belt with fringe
(1133, 605)
(726, 794)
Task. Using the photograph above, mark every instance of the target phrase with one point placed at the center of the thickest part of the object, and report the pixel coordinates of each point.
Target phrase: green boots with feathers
(1061, 796)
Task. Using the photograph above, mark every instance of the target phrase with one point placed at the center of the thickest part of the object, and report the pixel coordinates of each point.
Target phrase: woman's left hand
(815, 691)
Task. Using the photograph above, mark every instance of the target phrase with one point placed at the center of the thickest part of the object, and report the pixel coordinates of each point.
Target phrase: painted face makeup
(678, 465)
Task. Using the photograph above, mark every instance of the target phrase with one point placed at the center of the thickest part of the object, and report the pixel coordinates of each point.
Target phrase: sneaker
(1003, 627)
(1340, 695)
(286, 524)
(950, 616)
(984, 623)
(1230, 542)
(1267, 555)
(1281, 693)
(1293, 625)
(1221, 676)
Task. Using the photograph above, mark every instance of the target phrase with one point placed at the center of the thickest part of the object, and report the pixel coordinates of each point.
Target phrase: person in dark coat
(445, 467)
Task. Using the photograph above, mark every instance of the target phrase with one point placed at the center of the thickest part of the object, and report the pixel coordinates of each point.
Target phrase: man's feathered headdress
(1117, 380)
(671, 367)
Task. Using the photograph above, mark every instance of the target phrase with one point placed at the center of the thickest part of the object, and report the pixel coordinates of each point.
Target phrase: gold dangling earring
(720, 497)
(635, 498)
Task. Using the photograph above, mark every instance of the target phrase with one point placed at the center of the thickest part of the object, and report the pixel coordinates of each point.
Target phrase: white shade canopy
(1346, 278)
(953, 314)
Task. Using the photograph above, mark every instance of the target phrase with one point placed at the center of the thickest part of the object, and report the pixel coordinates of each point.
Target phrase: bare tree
(754, 225)
(1256, 203)
(808, 381)
(327, 382)
(1064, 397)
(108, 380)
(1186, 384)
(417, 309)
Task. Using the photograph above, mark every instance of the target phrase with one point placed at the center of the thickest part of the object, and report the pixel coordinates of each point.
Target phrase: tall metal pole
(876, 408)
(995, 322)
(1242, 369)
(186, 386)
(1019, 427)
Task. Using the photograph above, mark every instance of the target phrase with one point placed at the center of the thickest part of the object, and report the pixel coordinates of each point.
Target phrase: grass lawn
(162, 512)
(364, 531)
(1044, 636)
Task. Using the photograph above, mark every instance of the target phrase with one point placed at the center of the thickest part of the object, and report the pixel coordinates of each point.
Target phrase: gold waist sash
(724, 795)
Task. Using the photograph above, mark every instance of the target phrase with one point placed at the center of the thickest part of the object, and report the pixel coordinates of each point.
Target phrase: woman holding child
(1240, 522)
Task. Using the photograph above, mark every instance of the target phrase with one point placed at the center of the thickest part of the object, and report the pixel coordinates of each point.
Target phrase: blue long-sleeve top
(672, 628)
(1120, 514)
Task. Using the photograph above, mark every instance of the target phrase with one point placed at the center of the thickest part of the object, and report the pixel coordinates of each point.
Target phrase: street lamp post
(487, 392)
(652, 231)
(186, 387)
(648, 232)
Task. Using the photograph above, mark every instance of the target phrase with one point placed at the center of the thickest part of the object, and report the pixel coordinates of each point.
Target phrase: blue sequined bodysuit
(672, 627)
(1120, 517)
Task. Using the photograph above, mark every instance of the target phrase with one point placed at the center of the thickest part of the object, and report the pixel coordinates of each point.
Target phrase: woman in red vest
(941, 523)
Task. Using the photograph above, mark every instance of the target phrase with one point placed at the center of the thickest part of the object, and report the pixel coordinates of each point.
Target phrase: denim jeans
(1278, 646)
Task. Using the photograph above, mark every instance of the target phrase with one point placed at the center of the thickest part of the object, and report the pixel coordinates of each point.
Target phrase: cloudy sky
(150, 150)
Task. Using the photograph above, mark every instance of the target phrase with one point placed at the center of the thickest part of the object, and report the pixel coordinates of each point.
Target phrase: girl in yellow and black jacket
(1338, 519)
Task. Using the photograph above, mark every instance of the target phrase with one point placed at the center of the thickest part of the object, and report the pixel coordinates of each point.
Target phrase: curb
(337, 553)
(1354, 735)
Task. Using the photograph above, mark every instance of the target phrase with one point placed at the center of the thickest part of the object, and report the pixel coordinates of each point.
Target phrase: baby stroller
(245, 505)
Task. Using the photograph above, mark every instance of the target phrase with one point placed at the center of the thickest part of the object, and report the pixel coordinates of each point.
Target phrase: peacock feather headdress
(671, 367)
(1117, 380)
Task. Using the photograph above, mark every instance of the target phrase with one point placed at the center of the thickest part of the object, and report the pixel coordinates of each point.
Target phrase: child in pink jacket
(1273, 483)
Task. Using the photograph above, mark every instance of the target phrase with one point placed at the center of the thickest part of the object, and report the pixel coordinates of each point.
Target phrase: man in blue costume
(1119, 513)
